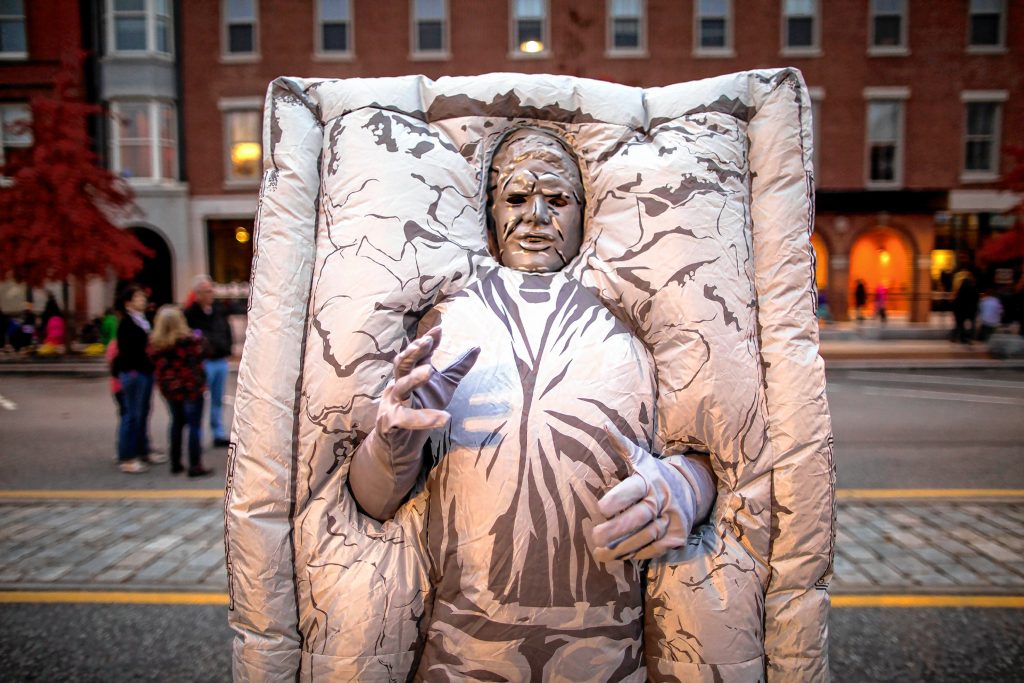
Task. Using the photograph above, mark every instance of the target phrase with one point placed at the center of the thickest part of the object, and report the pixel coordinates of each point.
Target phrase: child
(178, 358)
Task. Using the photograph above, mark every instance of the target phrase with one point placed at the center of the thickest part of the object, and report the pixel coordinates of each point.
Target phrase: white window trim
(901, 50)
(513, 38)
(714, 52)
(898, 94)
(228, 105)
(817, 96)
(4, 180)
(994, 97)
(417, 55)
(987, 49)
(150, 50)
(813, 50)
(239, 57)
(153, 114)
(639, 52)
(16, 56)
(321, 55)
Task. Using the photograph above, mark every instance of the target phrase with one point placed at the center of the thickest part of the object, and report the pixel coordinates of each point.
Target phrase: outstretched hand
(648, 513)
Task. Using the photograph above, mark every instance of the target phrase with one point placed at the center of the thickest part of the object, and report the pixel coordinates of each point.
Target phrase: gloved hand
(654, 508)
(385, 466)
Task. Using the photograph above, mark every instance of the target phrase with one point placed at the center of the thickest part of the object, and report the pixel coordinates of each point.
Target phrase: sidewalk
(903, 546)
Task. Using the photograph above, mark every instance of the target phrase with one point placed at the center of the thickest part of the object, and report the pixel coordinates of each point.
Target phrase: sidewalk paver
(882, 545)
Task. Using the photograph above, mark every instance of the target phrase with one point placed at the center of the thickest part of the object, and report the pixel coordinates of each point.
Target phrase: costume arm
(385, 466)
(653, 510)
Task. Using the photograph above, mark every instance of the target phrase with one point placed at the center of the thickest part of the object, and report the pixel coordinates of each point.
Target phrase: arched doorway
(156, 272)
(882, 257)
(820, 261)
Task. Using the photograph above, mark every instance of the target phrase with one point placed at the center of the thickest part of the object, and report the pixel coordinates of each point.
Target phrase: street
(154, 538)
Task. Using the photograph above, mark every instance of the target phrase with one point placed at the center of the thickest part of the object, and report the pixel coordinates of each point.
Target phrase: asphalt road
(164, 643)
(893, 429)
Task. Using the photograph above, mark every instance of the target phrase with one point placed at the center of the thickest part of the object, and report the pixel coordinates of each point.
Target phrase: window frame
(513, 28)
(817, 97)
(728, 50)
(319, 53)
(418, 54)
(227, 107)
(987, 49)
(24, 106)
(22, 54)
(898, 95)
(150, 15)
(156, 139)
(611, 50)
(812, 50)
(225, 35)
(901, 50)
(998, 98)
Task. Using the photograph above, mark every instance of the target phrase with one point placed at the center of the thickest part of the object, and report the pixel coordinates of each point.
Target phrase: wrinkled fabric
(696, 252)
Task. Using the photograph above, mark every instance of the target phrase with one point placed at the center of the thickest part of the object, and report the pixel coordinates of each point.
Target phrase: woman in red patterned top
(178, 358)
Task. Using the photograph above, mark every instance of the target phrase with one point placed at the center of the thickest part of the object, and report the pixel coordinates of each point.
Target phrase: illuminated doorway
(882, 257)
(820, 261)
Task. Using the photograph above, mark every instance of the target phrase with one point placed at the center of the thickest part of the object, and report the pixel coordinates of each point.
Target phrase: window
(13, 44)
(334, 27)
(244, 146)
(888, 26)
(817, 95)
(144, 140)
(529, 27)
(626, 26)
(240, 27)
(885, 127)
(141, 26)
(800, 25)
(713, 32)
(982, 117)
(430, 27)
(986, 26)
(15, 131)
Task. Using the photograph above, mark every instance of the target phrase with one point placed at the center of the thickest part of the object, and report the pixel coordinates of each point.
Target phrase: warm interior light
(244, 152)
(884, 257)
(241, 235)
(531, 46)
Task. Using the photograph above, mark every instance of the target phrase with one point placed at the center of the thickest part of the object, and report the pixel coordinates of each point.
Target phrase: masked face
(537, 215)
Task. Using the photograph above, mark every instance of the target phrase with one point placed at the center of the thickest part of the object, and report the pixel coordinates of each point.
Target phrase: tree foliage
(58, 205)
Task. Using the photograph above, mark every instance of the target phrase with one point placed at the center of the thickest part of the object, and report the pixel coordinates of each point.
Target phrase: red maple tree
(58, 205)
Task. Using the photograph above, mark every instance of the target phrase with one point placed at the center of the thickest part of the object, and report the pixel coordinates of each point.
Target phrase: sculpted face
(536, 203)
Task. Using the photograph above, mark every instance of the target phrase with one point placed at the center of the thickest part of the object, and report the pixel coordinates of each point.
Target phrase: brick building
(914, 101)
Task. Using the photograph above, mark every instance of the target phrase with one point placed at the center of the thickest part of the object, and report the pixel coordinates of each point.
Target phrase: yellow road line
(878, 494)
(126, 494)
(1011, 601)
(114, 597)
(153, 598)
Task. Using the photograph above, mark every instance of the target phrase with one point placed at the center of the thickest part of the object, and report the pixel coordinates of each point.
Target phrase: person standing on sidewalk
(860, 299)
(177, 355)
(134, 371)
(206, 316)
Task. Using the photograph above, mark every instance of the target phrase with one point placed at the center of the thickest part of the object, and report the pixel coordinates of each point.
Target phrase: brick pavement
(882, 546)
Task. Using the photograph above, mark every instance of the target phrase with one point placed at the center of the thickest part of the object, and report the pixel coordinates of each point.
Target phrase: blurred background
(157, 106)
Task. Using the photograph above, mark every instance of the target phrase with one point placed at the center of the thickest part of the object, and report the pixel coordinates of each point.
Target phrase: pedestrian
(135, 373)
(207, 316)
(108, 326)
(860, 298)
(990, 314)
(177, 356)
(53, 334)
(881, 302)
(965, 306)
(115, 384)
(23, 334)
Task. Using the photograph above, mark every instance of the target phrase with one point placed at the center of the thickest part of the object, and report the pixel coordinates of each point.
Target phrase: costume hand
(385, 466)
(649, 512)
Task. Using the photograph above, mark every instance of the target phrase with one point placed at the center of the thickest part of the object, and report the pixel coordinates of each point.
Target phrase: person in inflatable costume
(547, 496)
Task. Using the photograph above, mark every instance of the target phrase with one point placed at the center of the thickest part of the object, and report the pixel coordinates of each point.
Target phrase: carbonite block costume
(686, 321)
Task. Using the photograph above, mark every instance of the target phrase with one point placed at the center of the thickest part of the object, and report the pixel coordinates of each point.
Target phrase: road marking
(934, 379)
(147, 598)
(881, 494)
(87, 494)
(942, 396)
(114, 597)
(1005, 601)
(7, 404)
